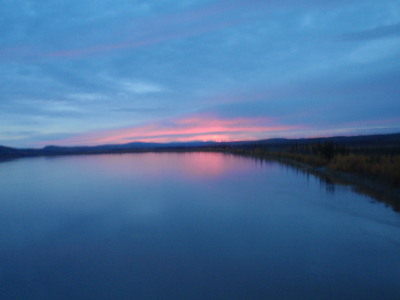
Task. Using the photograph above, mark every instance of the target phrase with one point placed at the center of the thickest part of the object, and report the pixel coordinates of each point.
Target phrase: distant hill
(7, 151)
(391, 141)
(133, 145)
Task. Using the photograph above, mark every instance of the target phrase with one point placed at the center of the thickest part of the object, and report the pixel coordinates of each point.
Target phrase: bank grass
(313, 160)
(384, 168)
(381, 167)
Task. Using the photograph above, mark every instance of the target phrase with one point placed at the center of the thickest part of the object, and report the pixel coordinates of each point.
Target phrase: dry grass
(380, 167)
(385, 168)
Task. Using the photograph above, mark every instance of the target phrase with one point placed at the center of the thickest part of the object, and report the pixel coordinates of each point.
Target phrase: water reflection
(187, 164)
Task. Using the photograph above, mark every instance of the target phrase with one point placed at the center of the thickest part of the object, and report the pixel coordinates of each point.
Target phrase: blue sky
(92, 72)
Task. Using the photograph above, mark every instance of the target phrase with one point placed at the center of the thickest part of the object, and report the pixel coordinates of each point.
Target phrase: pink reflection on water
(206, 164)
(153, 166)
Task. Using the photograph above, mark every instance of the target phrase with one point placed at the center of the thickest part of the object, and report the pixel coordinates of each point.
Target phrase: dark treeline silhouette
(327, 149)
(376, 156)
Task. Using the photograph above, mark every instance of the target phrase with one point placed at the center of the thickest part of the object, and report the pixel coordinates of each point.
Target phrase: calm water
(189, 226)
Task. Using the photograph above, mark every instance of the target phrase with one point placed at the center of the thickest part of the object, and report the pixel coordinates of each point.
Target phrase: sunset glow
(197, 128)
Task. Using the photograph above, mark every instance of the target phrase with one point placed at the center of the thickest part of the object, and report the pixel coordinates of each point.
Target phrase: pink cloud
(150, 31)
(144, 41)
(193, 128)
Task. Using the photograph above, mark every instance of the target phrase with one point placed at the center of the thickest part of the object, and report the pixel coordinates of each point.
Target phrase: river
(189, 226)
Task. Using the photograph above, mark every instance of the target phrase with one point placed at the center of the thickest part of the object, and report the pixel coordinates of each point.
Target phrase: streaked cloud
(148, 31)
(194, 128)
(380, 32)
(141, 87)
(373, 51)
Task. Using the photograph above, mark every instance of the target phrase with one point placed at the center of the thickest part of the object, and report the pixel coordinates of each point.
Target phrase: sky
(93, 72)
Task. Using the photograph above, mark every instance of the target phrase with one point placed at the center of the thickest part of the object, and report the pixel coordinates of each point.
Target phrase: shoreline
(377, 189)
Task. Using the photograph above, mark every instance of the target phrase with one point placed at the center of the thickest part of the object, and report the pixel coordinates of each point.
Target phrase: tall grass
(382, 167)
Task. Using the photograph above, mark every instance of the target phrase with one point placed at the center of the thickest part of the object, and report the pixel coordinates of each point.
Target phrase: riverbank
(384, 189)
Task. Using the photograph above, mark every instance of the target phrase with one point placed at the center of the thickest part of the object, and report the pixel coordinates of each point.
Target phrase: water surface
(189, 226)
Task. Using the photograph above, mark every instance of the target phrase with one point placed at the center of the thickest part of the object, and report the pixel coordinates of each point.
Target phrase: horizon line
(200, 141)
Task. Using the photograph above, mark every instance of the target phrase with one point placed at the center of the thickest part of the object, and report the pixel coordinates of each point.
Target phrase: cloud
(38, 108)
(380, 32)
(141, 87)
(149, 31)
(191, 128)
(375, 50)
(86, 97)
(157, 38)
